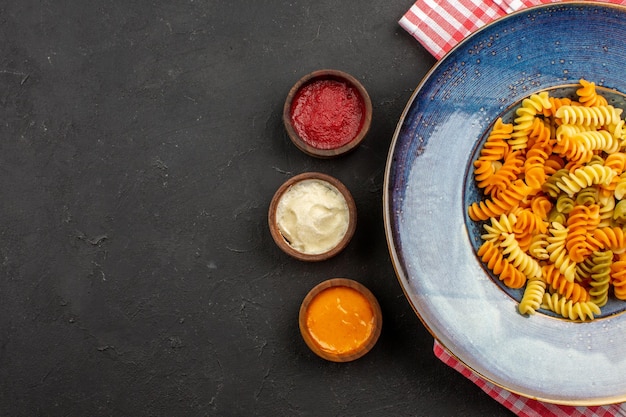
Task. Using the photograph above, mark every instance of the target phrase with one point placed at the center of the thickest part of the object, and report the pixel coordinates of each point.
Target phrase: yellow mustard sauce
(340, 319)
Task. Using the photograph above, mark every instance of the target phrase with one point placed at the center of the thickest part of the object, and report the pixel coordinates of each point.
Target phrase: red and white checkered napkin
(527, 407)
(439, 25)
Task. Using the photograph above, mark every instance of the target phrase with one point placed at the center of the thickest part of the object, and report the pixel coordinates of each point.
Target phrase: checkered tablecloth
(439, 25)
(522, 406)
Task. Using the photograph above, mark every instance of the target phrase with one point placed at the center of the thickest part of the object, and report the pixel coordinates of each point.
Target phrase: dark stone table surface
(140, 145)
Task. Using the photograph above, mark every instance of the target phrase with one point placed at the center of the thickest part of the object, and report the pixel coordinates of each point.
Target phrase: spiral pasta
(526, 116)
(600, 277)
(582, 220)
(533, 296)
(498, 227)
(583, 311)
(504, 202)
(585, 176)
(611, 238)
(558, 253)
(518, 258)
(570, 290)
(589, 116)
(554, 206)
(493, 257)
(588, 96)
(618, 278)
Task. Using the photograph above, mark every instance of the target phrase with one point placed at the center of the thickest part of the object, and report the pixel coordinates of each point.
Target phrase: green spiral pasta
(565, 203)
(600, 275)
(587, 196)
(550, 187)
(556, 216)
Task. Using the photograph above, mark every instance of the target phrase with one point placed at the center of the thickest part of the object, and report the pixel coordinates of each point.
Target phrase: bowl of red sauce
(340, 320)
(327, 113)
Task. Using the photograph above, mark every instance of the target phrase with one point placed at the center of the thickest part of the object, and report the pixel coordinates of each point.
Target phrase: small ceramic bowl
(327, 113)
(312, 216)
(340, 320)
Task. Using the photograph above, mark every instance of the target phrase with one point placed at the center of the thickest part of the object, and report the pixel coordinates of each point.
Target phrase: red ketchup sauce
(327, 114)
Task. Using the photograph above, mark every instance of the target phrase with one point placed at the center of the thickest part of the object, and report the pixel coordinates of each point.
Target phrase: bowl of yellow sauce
(340, 320)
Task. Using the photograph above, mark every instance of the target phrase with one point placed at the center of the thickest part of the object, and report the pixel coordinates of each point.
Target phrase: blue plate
(428, 187)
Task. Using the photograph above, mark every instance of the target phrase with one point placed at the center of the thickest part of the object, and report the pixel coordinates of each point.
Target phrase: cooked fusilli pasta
(554, 206)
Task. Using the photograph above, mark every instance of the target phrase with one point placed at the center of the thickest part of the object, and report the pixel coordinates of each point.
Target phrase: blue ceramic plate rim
(540, 357)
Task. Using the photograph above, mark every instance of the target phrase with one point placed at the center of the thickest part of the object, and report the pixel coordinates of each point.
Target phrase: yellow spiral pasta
(619, 213)
(498, 227)
(518, 258)
(567, 131)
(526, 116)
(558, 253)
(620, 187)
(597, 140)
(584, 177)
(568, 309)
(589, 116)
(607, 207)
(554, 206)
(533, 296)
(555, 104)
(538, 247)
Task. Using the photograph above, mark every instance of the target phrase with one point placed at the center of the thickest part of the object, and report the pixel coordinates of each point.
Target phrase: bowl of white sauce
(312, 216)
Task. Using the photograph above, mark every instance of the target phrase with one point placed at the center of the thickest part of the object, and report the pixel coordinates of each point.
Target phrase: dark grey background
(140, 145)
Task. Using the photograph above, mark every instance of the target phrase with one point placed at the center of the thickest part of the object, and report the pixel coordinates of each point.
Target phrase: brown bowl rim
(327, 74)
(364, 348)
(280, 240)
